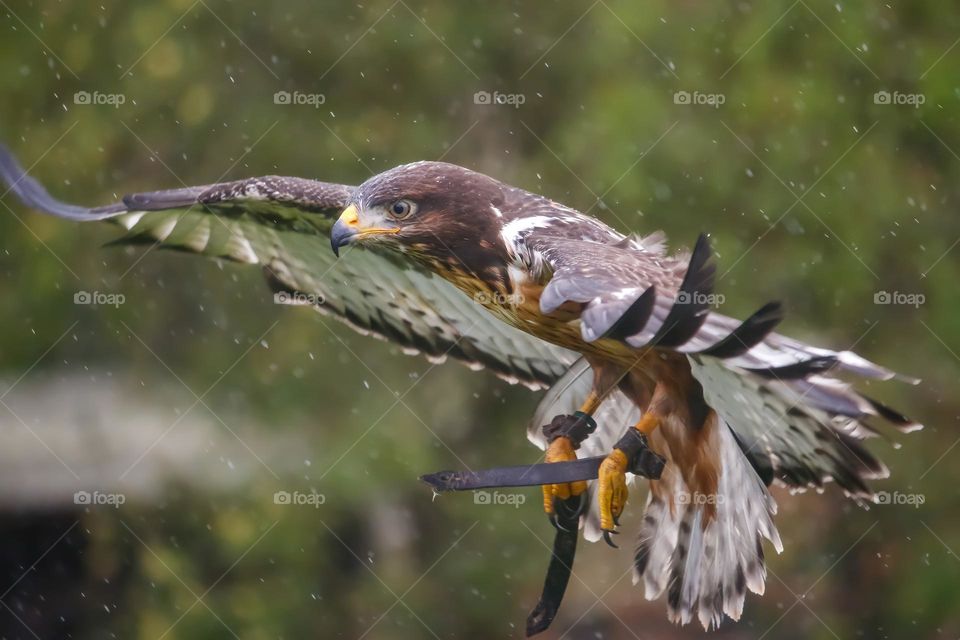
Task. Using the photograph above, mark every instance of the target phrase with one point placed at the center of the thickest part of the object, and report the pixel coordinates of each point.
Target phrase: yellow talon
(561, 450)
(612, 489)
(612, 476)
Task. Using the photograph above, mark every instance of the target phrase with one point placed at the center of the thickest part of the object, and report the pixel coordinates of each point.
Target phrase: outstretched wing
(283, 225)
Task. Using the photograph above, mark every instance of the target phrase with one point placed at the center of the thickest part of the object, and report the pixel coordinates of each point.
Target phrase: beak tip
(340, 235)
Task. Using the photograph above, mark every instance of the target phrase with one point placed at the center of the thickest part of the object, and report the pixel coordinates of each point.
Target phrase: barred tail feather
(658, 534)
(706, 551)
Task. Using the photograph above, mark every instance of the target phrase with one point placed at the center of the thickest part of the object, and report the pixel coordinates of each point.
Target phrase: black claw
(566, 513)
(616, 521)
(581, 505)
(606, 537)
(560, 526)
(554, 520)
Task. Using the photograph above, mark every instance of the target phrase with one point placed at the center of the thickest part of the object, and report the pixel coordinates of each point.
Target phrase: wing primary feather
(749, 334)
(897, 419)
(798, 370)
(759, 460)
(635, 317)
(33, 195)
(689, 311)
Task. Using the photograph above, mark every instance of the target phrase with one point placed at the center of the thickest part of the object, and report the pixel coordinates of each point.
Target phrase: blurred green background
(198, 398)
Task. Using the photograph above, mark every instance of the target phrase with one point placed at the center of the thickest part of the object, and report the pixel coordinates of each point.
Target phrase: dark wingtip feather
(757, 457)
(897, 419)
(749, 334)
(867, 465)
(689, 312)
(635, 317)
(701, 248)
(32, 194)
(803, 369)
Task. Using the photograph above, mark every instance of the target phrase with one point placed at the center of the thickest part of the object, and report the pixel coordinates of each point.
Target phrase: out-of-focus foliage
(815, 191)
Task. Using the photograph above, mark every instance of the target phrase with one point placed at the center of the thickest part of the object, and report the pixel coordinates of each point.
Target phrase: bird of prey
(616, 326)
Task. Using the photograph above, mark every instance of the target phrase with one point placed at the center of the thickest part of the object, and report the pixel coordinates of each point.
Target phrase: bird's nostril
(350, 216)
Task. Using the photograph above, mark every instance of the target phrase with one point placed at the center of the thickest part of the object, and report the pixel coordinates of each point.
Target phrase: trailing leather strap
(560, 567)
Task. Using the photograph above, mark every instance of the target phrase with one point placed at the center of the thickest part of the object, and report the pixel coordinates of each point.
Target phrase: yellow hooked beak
(347, 227)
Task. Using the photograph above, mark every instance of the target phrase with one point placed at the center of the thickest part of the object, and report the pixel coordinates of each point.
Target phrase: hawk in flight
(614, 325)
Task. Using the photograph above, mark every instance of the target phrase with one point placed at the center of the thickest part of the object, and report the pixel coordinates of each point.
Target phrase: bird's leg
(564, 435)
(631, 453)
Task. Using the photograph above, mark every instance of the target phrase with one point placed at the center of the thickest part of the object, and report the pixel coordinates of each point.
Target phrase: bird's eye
(402, 209)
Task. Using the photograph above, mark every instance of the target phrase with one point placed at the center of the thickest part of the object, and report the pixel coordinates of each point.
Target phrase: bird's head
(439, 213)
